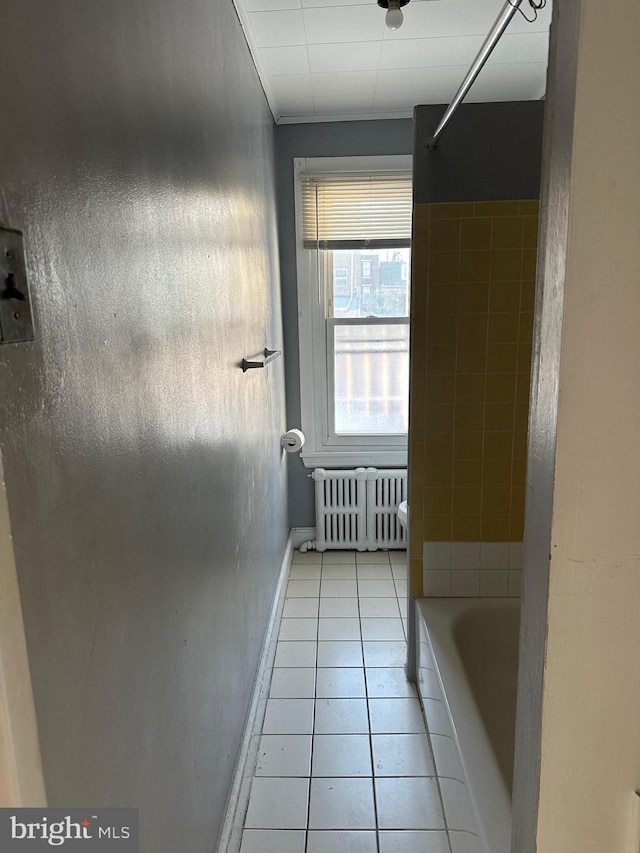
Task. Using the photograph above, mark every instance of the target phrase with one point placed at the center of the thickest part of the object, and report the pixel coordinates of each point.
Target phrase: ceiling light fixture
(394, 17)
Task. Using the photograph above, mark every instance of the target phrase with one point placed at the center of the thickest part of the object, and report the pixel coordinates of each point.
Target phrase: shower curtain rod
(506, 14)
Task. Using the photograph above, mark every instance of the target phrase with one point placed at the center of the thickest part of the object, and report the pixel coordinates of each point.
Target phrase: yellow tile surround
(473, 285)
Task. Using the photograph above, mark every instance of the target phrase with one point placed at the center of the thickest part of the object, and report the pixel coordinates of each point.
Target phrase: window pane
(371, 378)
(370, 283)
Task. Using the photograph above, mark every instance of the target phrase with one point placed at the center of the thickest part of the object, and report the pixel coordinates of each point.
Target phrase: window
(354, 233)
(342, 286)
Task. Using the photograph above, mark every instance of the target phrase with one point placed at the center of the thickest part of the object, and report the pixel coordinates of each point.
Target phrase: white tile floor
(345, 764)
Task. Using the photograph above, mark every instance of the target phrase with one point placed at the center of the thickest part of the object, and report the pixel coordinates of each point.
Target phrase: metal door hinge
(16, 321)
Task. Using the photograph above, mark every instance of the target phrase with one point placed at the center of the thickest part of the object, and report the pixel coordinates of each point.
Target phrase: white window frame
(323, 448)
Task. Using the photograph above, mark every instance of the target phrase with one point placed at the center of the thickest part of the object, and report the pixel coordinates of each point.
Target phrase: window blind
(356, 213)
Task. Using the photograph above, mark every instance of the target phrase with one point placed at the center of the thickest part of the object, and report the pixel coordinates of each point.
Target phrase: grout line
(370, 734)
(313, 714)
(366, 693)
(484, 413)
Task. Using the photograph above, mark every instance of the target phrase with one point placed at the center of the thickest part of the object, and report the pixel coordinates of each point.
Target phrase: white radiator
(341, 504)
(357, 509)
(385, 491)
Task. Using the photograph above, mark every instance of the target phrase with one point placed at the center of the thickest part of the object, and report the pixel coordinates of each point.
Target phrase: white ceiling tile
(466, 50)
(277, 29)
(291, 86)
(348, 24)
(400, 101)
(432, 19)
(484, 96)
(538, 49)
(295, 107)
(544, 17)
(416, 53)
(343, 83)
(451, 73)
(356, 56)
(437, 99)
(519, 90)
(270, 5)
(337, 57)
(489, 84)
(446, 82)
(510, 47)
(413, 80)
(340, 105)
(522, 24)
(512, 82)
(284, 60)
(526, 80)
(324, 4)
(481, 17)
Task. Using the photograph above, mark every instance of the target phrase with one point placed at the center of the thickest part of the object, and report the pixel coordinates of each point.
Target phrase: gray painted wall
(489, 152)
(326, 139)
(146, 482)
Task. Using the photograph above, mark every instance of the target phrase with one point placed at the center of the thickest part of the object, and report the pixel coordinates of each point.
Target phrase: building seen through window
(371, 283)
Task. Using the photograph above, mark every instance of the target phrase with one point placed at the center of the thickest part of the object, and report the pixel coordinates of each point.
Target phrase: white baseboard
(231, 834)
(302, 534)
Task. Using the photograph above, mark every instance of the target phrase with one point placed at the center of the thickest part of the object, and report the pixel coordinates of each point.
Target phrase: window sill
(355, 458)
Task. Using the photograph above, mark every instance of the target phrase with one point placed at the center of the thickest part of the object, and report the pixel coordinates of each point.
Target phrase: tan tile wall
(472, 319)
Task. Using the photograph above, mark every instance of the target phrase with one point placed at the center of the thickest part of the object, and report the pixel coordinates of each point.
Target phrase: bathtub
(467, 655)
